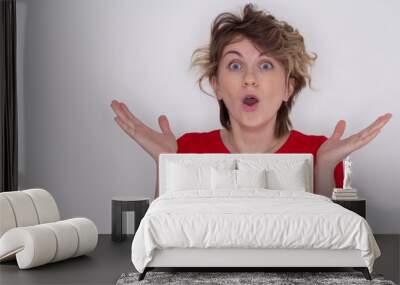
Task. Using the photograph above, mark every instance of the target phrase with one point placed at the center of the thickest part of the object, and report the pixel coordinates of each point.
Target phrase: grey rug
(225, 278)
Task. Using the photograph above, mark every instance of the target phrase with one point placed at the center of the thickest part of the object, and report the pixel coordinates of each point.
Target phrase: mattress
(250, 218)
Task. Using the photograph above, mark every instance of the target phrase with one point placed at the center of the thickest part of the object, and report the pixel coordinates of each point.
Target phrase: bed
(247, 211)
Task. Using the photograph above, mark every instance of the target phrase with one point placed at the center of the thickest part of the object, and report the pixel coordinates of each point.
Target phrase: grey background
(74, 57)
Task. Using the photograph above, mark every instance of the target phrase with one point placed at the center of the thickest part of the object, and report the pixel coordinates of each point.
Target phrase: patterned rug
(273, 278)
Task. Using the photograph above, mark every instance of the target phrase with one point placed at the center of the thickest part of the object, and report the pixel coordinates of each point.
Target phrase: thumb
(339, 129)
(164, 124)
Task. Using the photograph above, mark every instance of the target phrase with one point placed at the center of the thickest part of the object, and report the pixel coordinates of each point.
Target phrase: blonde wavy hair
(280, 40)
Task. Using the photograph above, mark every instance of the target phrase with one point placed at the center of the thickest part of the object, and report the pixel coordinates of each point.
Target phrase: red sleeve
(189, 143)
(338, 171)
(183, 144)
(339, 175)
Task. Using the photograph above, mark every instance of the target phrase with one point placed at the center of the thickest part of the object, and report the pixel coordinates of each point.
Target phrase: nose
(249, 80)
(251, 83)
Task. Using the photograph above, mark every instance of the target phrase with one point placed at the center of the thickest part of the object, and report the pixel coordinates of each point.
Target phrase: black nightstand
(358, 206)
(121, 204)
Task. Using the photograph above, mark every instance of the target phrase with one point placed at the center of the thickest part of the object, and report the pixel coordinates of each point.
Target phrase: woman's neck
(241, 139)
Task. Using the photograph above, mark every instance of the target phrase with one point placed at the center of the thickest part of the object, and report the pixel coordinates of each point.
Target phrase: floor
(111, 259)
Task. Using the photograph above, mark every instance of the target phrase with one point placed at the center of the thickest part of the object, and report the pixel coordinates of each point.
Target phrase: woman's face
(244, 72)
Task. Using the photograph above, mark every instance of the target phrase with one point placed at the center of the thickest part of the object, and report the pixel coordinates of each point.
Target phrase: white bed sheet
(250, 218)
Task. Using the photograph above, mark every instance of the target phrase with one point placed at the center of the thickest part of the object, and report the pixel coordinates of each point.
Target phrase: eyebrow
(238, 53)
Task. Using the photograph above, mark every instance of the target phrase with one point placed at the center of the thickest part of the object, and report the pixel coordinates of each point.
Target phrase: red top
(211, 142)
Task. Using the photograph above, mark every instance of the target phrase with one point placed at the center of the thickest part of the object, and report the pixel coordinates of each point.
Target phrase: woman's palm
(151, 141)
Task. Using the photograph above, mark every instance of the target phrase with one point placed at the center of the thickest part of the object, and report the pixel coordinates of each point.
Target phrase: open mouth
(250, 102)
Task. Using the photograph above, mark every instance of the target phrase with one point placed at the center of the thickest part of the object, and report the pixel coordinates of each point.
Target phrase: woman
(256, 66)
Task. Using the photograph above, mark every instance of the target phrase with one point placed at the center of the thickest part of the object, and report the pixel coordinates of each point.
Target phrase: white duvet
(250, 218)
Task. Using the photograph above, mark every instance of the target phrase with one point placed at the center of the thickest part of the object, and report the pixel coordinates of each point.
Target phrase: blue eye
(266, 63)
(233, 64)
(237, 66)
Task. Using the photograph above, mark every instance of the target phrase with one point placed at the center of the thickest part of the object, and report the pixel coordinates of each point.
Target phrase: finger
(127, 128)
(377, 124)
(339, 130)
(129, 115)
(365, 140)
(386, 118)
(372, 128)
(116, 106)
(164, 124)
(388, 115)
(126, 117)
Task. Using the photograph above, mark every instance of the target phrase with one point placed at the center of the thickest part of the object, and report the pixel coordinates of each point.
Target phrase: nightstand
(121, 204)
(358, 206)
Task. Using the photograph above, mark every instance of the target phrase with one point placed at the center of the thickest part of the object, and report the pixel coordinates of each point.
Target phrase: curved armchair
(31, 231)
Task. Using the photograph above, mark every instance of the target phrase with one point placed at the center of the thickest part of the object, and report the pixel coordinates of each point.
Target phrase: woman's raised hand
(150, 140)
(335, 149)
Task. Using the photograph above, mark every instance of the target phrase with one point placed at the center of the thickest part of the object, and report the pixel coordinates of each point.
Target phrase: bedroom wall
(74, 57)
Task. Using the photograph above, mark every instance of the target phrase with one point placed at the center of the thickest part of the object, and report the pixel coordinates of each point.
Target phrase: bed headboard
(210, 158)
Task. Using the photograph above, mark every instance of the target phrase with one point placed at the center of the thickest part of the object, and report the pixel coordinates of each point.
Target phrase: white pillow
(223, 179)
(216, 163)
(293, 178)
(183, 177)
(281, 174)
(236, 179)
(251, 178)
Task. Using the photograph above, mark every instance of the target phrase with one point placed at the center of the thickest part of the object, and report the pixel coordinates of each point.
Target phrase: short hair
(277, 38)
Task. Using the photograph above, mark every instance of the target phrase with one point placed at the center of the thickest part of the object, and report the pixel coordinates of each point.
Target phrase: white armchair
(31, 230)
